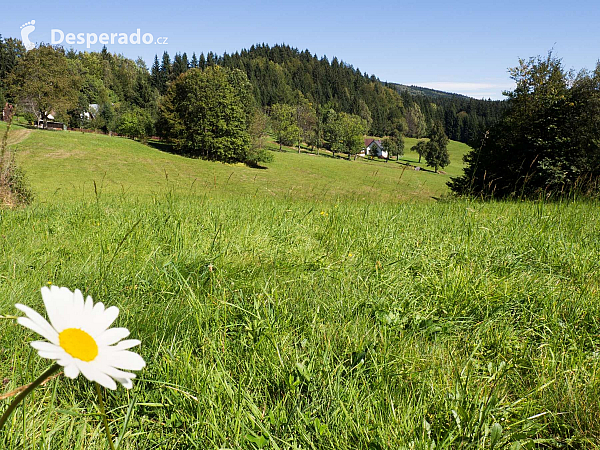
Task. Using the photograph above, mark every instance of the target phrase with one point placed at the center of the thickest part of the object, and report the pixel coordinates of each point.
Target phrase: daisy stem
(103, 414)
(39, 380)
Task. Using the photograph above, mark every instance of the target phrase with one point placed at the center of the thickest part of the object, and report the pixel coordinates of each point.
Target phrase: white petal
(50, 351)
(71, 371)
(48, 355)
(122, 377)
(126, 360)
(56, 307)
(117, 374)
(46, 331)
(65, 360)
(68, 316)
(93, 373)
(124, 345)
(62, 306)
(99, 308)
(96, 320)
(110, 315)
(37, 318)
(89, 303)
(88, 308)
(86, 369)
(112, 335)
(46, 346)
(105, 380)
(78, 303)
(126, 382)
(65, 295)
(53, 308)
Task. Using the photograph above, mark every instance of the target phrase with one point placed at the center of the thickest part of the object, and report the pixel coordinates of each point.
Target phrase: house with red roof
(373, 147)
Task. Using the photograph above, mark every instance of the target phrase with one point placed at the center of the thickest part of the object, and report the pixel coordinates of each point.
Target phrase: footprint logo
(26, 30)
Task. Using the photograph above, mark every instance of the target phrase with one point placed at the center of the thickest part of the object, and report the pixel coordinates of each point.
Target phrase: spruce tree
(436, 153)
(165, 71)
(210, 59)
(420, 148)
(185, 64)
(155, 76)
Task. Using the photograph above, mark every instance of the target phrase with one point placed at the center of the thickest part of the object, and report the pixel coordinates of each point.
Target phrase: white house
(375, 148)
(92, 111)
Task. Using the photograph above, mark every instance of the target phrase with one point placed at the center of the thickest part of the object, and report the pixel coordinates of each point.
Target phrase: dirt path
(17, 135)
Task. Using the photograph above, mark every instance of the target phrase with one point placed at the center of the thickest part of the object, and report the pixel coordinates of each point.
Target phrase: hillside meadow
(118, 165)
(317, 303)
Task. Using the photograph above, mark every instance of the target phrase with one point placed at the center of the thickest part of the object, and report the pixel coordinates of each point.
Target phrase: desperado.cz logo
(26, 30)
(89, 39)
(58, 37)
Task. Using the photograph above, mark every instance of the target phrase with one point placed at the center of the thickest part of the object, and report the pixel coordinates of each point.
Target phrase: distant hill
(283, 74)
(418, 90)
(277, 74)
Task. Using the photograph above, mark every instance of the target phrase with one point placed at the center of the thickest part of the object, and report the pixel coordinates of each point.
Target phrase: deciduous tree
(548, 142)
(353, 130)
(258, 128)
(421, 149)
(333, 131)
(44, 82)
(394, 145)
(283, 123)
(306, 120)
(415, 121)
(205, 114)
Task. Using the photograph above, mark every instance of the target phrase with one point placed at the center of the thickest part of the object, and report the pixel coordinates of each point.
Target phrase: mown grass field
(119, 165)
(326, 319)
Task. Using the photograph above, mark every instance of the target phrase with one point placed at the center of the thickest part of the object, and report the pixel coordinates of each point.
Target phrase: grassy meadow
(66, 165)
(318, 303)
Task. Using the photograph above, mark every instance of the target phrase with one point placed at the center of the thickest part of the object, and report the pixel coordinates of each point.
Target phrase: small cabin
(50, 125)
(374, 147)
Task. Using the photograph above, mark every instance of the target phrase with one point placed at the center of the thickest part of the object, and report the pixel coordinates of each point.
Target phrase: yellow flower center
(78, 344)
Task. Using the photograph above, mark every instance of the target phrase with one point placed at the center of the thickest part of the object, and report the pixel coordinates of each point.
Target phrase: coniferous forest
(282, 74)
(127, 93)
(321, 103)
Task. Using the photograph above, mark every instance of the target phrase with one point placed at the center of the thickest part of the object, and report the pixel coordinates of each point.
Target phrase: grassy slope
(308, 323)
(76, 161)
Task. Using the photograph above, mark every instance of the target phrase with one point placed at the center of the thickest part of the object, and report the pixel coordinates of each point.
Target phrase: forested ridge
(279, 73)
(123, 89)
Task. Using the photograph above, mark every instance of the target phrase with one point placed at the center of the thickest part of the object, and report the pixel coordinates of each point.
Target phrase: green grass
(298, 321)
(119, 165)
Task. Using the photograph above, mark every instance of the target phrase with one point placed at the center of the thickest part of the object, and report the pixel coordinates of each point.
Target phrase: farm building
(374, 147)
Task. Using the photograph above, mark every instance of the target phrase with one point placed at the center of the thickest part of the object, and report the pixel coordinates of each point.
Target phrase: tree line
(279, 72)
(306, 99)
(547, 143)
(126, 94)
(544, 139)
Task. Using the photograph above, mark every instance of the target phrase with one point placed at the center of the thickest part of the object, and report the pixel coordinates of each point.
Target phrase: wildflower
(80, 339)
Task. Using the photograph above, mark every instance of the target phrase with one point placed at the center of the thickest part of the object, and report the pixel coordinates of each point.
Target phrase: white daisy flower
(80, 339)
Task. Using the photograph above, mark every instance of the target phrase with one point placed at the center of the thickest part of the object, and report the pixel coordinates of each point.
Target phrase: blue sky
(463, 47)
